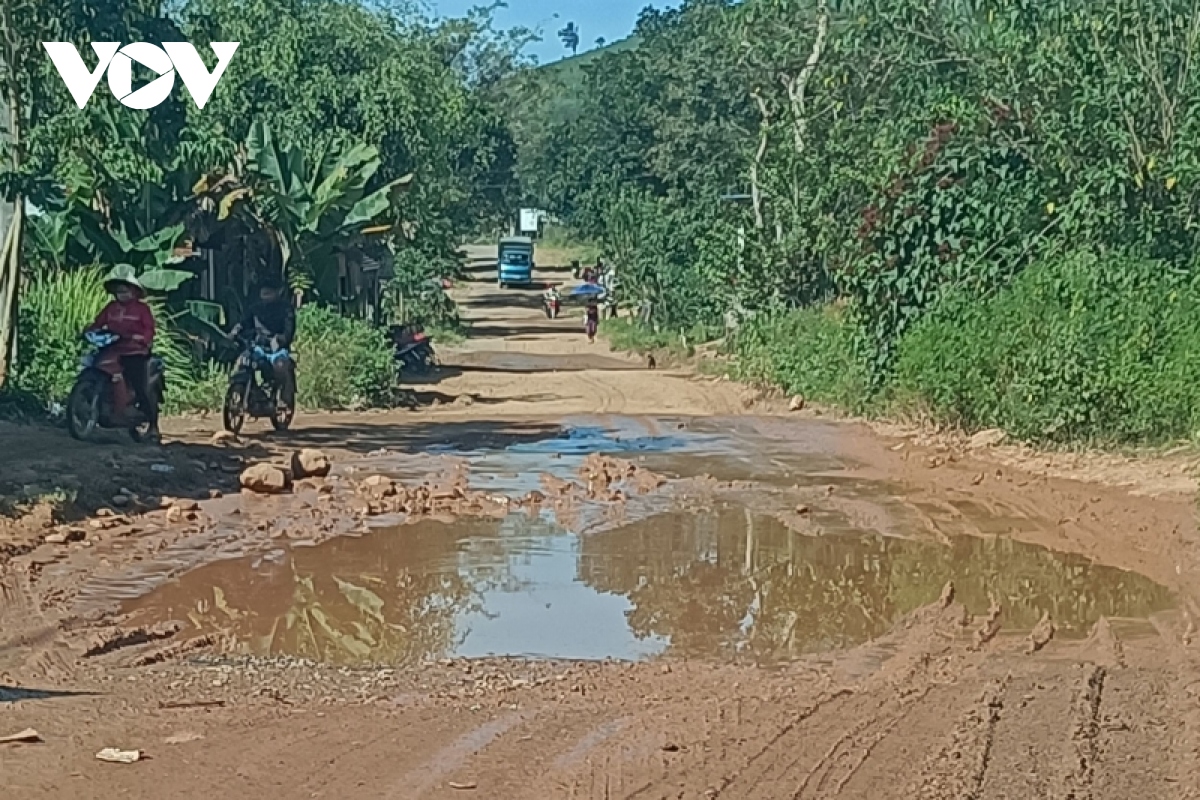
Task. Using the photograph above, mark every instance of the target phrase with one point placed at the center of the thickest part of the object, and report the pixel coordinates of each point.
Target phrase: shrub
(1079, 348)
(342, 362)
(807, 351)
(204, 390)
(627, 335)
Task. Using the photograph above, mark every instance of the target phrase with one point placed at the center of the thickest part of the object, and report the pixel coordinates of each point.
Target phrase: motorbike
(253, 390)
(101, 398)
(414, 349)
(552, 305)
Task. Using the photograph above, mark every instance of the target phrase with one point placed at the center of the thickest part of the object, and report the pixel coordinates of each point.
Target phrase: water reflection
(706, 584)
(730, 580)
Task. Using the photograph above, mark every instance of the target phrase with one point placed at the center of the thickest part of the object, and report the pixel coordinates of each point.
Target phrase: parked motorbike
(414, 349)
(253, 391)
(101, 398)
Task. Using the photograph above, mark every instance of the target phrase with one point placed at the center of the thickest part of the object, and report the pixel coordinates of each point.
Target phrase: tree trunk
(10, 284)
(797, 87)
(764, 129)
(12, 213)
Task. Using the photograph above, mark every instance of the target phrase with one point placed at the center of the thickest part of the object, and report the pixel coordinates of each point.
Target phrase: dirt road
(576, 577)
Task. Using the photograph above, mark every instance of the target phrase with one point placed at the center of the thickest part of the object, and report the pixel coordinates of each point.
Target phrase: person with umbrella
(593, 292)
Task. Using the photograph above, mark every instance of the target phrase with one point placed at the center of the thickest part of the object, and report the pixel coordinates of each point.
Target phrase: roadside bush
(808, 351)
(342, 362)
(1079, 348)
(203, 390)
(629, 336)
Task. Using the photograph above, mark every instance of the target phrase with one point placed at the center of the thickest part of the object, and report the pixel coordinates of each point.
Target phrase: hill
(562, 80)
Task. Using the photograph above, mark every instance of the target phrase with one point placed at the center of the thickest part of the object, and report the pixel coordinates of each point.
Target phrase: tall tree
(569, 34)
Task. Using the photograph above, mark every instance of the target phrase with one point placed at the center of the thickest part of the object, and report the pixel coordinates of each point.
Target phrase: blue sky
(612, 19)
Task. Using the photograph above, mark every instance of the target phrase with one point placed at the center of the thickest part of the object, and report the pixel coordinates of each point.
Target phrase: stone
(266, 479)
(987, 438)
(796, 403)
(310, 463)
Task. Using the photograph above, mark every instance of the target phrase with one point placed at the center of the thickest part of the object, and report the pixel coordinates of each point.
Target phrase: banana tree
(315, 206)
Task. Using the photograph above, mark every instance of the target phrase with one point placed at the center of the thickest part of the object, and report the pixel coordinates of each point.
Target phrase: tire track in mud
(35, 650)
(1085, 730)
(1028, 740)
(454, 756)
(958, 769)
(816, 744)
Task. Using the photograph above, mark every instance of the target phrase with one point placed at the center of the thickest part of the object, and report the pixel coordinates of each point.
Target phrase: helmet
(123, 274)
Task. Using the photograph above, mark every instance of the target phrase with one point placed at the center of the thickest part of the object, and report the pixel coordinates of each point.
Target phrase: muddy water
(713, 575)
(710, 584)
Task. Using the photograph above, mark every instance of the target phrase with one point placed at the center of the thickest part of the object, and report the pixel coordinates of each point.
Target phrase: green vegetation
(348, 130)
(998, 198)
(819, 364)
(1078, 348)
(342, 362)
(628, 336)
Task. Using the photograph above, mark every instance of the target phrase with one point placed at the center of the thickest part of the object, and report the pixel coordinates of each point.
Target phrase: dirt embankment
(953, 701)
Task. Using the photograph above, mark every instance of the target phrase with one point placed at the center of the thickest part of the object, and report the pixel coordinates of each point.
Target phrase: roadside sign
(529, 220)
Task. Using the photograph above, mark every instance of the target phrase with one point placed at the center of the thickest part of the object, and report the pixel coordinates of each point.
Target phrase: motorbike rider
(551, 297)
(274, 319)
(130, 319)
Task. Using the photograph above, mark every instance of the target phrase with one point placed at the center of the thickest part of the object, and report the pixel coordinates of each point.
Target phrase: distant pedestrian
(592, 320)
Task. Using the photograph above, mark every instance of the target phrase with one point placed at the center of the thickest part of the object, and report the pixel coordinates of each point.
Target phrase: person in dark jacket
(273, 317)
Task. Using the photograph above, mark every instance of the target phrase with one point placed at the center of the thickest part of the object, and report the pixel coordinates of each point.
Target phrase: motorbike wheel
(83, 407)
(234, 411)
(281, 417)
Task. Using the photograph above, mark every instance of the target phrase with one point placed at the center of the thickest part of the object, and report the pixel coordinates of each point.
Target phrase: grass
(808, 352)
(628, 336)
(449, 335)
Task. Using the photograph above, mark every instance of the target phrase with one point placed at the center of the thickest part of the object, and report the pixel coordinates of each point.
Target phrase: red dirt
(949, 704)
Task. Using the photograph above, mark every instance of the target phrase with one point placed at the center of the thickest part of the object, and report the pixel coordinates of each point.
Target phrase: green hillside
(564, 79)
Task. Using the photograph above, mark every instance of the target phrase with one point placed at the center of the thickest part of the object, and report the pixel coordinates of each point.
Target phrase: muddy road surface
(567, 575)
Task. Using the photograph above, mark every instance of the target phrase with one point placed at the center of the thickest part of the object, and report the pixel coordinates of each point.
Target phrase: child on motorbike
(130, 319)
(274, 317)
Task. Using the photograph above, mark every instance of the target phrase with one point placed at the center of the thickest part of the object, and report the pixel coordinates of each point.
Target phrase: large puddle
(710, 584)
(718, 578)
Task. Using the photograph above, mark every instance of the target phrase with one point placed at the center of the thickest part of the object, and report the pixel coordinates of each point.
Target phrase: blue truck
(514, 261)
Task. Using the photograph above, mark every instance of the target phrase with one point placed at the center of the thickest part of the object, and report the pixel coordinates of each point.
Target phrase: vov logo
(165, 61)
